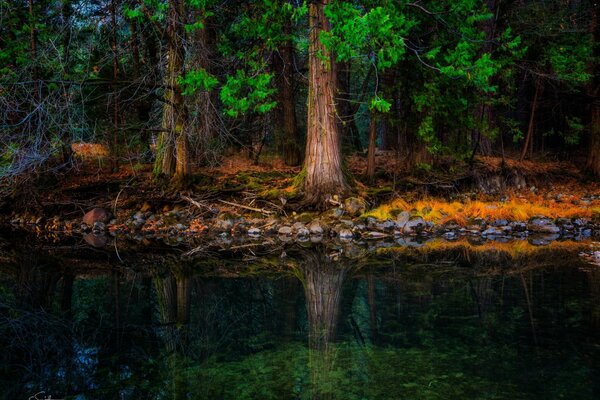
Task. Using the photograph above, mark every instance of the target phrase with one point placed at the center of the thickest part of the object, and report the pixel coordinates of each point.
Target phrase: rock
(401, 219)
(518, 226)
(302, 232)
(223, 224)
(500, 222)
(95, 239)
(254, 231)
(99, 227)
(345, 234)
(315, 228)
(450, 235)
(542, 225)
(334, 213)
(373, 235)
(491, 231)
(387, 225)
(180, 227)
(298, 226)
(285, 231)
(355, 206)
(415, 225)
(96, 215)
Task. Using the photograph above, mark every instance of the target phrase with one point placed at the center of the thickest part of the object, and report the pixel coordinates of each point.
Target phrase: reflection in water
(324, 327)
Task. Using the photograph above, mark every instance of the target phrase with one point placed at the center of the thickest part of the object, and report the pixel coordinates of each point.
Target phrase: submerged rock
(415, 225)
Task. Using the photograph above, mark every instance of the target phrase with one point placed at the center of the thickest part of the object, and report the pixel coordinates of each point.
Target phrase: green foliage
(197, 80)
(242, 93)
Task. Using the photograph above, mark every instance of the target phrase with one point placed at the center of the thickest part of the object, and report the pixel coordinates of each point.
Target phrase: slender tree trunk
(372, 148)
(115, 78)
(283, 64)
(33, 52)
(531, 126)
(173, 149)
(323, 161)
(593, 89)
(205, 101)
(346, 110)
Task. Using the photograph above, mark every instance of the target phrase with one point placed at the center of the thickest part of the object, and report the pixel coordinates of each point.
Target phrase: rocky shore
(345, 221)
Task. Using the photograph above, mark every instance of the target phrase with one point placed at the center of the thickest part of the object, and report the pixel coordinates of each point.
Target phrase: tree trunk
(173, 151)
(323, 160)
(283, 65)
(593, 159)
(115, 78)
(346, 110)
(206, 101)
(531, 127)
(593, 89)
(372, 149)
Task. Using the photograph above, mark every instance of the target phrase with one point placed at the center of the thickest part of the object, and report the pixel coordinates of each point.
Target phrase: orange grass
(518, 209)
(514, 248)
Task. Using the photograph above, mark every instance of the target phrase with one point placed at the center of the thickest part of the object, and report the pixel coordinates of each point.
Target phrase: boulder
(542, 225)
(415, 225)
(96, 215)
(355, 206)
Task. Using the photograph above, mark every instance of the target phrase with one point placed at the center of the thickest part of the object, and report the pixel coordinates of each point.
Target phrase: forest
(302, 103)
(299, 199)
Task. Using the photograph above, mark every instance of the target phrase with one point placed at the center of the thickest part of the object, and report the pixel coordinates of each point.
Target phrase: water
(321, 322)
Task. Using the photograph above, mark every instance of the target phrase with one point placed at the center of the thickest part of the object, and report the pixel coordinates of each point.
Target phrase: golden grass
(514, 248)
(518, 209)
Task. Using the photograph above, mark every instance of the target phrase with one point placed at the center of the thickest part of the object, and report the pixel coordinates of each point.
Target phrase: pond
(436, 321)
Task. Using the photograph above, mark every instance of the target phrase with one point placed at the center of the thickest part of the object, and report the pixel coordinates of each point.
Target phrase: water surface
(314, 322)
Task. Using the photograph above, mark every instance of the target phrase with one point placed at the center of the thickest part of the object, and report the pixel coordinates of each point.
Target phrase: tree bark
(323, 161)
(173, 150)
(593, 89)
(531, 126)
(372, 149)
(205, 101)
(115, 77)
(283, 65)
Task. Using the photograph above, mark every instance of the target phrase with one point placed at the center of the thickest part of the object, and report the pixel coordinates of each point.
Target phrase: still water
(314, 322)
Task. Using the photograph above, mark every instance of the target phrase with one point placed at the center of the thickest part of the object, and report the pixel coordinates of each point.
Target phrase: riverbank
(241, 200)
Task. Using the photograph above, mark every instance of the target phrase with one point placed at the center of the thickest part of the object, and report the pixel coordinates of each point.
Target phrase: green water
(77, 324)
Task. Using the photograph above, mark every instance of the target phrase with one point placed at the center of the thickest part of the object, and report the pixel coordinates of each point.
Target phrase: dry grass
(517, 209)
(513, 249)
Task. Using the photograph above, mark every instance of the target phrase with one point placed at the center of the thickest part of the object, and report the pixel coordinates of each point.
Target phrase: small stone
(374, 235)
(285, 231)
(302, 232)
(346, 234)
(315, 228)
(99, 227)
(254, 231)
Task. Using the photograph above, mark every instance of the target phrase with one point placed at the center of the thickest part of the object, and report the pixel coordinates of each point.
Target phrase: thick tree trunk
(173, 149)
(372, 149)
(288, 133)
(323, 161)
(527, 146)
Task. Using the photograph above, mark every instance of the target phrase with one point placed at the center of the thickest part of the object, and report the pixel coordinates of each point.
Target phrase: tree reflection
(322, 276)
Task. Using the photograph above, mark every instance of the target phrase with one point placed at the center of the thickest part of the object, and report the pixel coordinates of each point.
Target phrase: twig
(260, 210)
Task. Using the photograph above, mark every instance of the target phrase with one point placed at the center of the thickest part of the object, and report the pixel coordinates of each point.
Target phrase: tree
(322, 172)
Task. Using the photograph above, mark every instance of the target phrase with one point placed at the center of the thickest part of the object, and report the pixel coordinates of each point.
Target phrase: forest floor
(494, 200)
